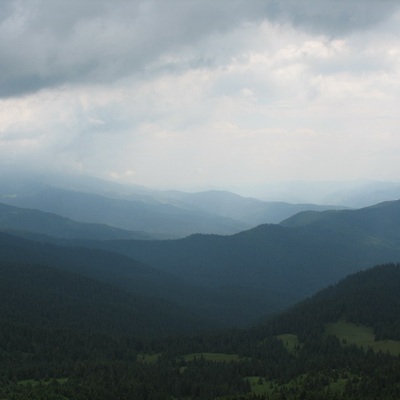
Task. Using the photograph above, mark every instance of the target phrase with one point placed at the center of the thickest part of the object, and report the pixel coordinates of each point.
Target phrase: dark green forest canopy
(61, 338)
(272, 267)
(49, 298)
(370, 298)
(230, 280)
(79, 322)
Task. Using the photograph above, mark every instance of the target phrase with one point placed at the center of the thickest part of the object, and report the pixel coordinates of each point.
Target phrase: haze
(201, 93)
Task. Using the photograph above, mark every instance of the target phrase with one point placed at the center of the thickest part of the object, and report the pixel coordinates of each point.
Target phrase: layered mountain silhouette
(157, 214)
(277, 264)
(24, 221)
(239, 278)
(231, 280)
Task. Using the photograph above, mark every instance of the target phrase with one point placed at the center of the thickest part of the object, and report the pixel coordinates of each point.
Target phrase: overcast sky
(202, 93)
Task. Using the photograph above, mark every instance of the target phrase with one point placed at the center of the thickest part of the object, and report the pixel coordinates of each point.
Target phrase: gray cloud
(333, 17)
(44, 44)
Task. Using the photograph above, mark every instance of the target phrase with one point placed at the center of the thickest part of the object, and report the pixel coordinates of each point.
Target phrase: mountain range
(272, 266)
(225, 279)
(31, 222)
(151, 213)
(95, 302)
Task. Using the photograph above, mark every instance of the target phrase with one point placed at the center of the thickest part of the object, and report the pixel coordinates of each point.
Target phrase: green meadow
(261, 386)
(361, 336)
(148, 358)
(290, 341)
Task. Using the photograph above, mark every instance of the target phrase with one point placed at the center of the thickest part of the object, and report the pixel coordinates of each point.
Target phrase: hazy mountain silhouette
(277, 264)
(162, 214)
(246, 209)
(152, 216)
(23, 221)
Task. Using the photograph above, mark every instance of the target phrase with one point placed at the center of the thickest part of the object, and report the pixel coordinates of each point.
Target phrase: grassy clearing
(360, 335)
(291, 342)
(217, 357)
(261, 386)
(338, 386)
(148, 358)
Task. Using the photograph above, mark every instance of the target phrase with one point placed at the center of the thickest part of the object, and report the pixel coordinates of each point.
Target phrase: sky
(201, 93)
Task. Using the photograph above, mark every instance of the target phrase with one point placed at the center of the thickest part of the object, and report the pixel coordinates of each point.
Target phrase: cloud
(334, 18)
(201, 92)
(49, 44)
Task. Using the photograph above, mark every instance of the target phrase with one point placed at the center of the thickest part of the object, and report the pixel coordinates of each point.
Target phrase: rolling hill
(380, 220)
(272, 266)
(370, 298)
(246, 209)
(150, 215)
(23, 221)
(232, 280)
(214, 307)
(37, 297)
(164, 214)
(67, 337)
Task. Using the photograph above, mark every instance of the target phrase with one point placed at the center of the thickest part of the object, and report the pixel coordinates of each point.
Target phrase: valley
(308, 306)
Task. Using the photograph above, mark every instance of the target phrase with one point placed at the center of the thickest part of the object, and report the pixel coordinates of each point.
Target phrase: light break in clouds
(186, 93)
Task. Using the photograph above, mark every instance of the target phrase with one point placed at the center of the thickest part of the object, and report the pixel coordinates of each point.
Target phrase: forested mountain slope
(49, 350)
(36, 297)
(370, 298)
(214, 307)
(232, 280)
(379, 221)
(280, 264)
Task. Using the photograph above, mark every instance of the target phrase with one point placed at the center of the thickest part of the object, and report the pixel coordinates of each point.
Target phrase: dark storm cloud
(50, 43)
(332, 17)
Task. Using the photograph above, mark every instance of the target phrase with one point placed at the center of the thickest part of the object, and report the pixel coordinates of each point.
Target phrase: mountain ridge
(135, 208)
(17, 219)
(287, 263)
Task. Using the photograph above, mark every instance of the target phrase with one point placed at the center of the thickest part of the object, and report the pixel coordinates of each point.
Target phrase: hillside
(164, 214)
(370, 298)
(228, 280)
(380, 220)
(23, 221)
(273, 266)
(214, 307)
(55, 344)
(36, 297)
(231, 280)
(248, 210)
(144, 215)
